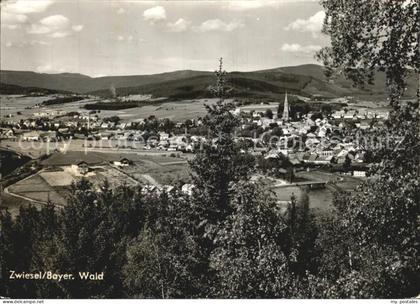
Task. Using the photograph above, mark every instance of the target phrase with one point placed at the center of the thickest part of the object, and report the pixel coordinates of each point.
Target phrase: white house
(359, 173)
(30, 136)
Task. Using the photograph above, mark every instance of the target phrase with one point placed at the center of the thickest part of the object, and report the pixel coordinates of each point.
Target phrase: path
(31, 200)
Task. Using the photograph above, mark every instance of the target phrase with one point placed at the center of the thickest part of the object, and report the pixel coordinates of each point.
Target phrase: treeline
(153, 246)
(112, 105)
(9, 161)
(10, 89)
(61, 100)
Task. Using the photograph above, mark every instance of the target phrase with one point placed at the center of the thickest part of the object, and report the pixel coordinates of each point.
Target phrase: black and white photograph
(232, 149)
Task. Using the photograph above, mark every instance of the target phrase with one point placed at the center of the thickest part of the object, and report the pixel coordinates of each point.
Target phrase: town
(296, 142)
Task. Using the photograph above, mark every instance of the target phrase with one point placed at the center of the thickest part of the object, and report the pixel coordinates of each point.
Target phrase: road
(31, 200)
(6, 190)
(298, 184)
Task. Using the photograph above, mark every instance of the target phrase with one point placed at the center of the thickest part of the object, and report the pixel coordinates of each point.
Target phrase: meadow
(177, 111)
(53, 181)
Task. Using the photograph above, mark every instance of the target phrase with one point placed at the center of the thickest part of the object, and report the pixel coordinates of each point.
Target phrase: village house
(105, 136)
(188, 189)
(80, 168)
(30, 136)
(358, 173)
(7, 133)
(163, 136)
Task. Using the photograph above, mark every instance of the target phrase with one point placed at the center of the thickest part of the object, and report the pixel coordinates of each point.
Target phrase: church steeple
(286, 109)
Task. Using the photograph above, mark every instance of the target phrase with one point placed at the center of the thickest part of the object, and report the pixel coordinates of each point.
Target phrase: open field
(114, 176)
(106, 156)
(35, 189)
(57, 178)
(149, 168)
(52, 182)
(176, 111)
(34, 183)
(109, 148)
(164, 175)
(11, 104)
(53, 185)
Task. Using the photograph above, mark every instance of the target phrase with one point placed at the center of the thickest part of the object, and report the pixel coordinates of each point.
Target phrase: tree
(347, 163)
(372, 35)
(268, 113)
(277, 131)
(167, 125)
(376, 227)
(301, 233)
(94, 230)
(249, 259)
(171, 256)
(219, 163)
(45, 248)
(27, 245)
(326, 109)
(147, 274)
(385, 35)
(165, 260)
(114, 119)
(8, 253)
(317, 115)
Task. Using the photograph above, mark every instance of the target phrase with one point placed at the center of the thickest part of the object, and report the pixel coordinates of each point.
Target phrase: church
(286, 110)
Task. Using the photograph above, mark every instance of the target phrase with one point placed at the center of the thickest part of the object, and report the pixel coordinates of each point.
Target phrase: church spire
(286, 109)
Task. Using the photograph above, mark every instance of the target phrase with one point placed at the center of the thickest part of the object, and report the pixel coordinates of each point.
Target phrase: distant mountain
(378, 87)
(249, 84)
(305, 80)
(79, 83)
(10, 89)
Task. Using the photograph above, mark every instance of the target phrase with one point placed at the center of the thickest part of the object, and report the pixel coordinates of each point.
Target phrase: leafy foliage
(249, 258)
(370, 35)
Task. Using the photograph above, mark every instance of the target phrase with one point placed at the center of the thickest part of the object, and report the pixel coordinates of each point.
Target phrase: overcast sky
(97, 37)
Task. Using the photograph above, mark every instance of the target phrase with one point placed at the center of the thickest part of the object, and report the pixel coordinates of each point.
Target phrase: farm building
(124, 162)
(81, 168)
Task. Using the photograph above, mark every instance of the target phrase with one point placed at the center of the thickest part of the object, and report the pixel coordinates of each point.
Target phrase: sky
(118, 37)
